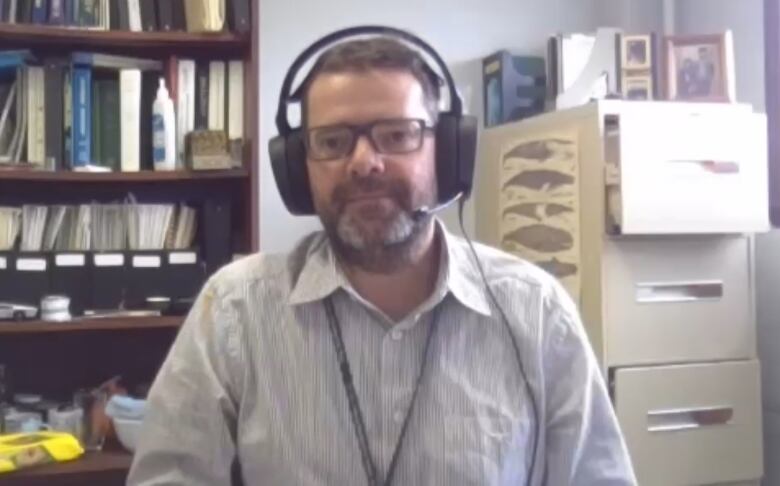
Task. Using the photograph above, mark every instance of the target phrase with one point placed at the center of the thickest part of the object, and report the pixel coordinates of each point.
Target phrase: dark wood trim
(142, 176)
(105, 324)
(39, 35)
(772, 78)
(254, 138)
(91, 462)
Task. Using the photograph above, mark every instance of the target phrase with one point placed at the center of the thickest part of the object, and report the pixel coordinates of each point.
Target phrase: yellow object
(18, 451)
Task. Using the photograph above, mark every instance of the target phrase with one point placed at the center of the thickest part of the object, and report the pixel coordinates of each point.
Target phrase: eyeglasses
(391, 137)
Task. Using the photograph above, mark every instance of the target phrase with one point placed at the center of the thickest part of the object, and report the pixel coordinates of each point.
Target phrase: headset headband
(283, 124)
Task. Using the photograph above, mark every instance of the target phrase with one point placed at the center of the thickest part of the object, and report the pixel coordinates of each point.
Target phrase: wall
(463, 30)
(745, 18)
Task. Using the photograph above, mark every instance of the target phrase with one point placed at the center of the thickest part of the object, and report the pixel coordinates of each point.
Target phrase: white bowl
(127, 431)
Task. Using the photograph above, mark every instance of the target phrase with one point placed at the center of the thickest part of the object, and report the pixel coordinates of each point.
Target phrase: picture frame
(699, 68)
(636, 52)
(638, 87)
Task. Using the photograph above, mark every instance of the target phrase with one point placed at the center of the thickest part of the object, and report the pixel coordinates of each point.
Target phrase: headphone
(456, 133)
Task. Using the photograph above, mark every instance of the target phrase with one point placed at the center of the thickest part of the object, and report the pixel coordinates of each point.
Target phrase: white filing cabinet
(644, 210)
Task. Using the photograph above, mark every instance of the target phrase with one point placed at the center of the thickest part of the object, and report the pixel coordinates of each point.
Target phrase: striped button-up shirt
(253, 378)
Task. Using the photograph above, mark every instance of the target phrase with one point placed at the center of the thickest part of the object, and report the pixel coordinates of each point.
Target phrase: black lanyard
(354, 407)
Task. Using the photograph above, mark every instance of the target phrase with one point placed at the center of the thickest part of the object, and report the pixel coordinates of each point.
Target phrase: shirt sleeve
(188, 435)
(584, 445)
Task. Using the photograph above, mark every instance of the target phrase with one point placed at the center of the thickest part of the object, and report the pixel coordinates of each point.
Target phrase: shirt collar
(321, 276)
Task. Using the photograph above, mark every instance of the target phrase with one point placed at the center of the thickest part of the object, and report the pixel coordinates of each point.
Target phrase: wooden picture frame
(637, 87)
(636, 52)
(699, 67)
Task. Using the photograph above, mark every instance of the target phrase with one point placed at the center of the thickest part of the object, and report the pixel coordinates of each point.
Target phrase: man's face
(365, 198)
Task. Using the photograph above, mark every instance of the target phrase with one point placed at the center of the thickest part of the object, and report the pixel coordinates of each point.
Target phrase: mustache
(370, 185)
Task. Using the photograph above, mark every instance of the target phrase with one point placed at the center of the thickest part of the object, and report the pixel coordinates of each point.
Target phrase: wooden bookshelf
(55, 359)
(119, 177)
(102, 324)
(45, 36)
(105, 465)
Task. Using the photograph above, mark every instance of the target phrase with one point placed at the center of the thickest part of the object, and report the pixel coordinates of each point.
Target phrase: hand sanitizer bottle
(163, 130)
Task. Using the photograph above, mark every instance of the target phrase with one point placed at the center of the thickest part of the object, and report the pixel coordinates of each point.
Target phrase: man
(374, 353)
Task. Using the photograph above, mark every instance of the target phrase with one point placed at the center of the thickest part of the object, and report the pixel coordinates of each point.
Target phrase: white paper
(109, 260)
(3, 263)
(70, 260)
(147, 261)
(182, 258)
(31, 264)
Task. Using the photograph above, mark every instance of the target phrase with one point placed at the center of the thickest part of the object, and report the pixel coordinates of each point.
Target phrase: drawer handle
(675, 420)
(662, 292)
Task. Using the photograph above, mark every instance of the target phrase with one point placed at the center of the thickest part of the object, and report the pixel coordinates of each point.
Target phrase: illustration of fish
(558, 268)
(541, 238)
(542, 150)
(540, 179)
(537, 211)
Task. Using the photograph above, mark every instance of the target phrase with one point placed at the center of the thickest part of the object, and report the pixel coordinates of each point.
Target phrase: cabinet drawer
(692, 424)
(677, 299)
(687, 168)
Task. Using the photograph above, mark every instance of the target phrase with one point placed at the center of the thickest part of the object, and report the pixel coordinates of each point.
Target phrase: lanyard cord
(354, 406)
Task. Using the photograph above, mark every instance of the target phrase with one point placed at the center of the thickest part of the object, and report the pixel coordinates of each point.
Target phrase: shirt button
(398, 416)
(397, 334)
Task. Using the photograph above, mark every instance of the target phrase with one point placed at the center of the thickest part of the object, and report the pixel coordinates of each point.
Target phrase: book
(148, 15)
(36, 136)
(235, 104)
(97, 124)
(216, 95)
(67, 120)
(110, 155)
(239, 16)
(39, 12)
(113, 15)
(123, 11)
(201, 95)
(56, 12)
(179, 17)
(150, 81)
(81, 128)
(185, 103)
(134, 15)
(24, 11)
(11, 16)
(204, 15)
(14, 59)
(88, 13)
(54, 78)
(111, 61)
(165, 15)
(130, 121)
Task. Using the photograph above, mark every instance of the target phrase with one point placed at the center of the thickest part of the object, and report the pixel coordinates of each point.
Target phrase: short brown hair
(362, 55)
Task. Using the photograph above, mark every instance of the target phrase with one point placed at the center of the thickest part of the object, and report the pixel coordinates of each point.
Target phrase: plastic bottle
(163, 130)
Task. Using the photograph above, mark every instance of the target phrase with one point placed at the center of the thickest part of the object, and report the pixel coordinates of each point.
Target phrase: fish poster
(539, 218)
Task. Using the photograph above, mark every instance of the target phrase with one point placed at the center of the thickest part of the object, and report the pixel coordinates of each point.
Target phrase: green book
(111, 149)
(97, 123)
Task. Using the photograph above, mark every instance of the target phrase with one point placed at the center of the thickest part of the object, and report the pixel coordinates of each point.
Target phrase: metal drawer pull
(662, 292)
(688, 418)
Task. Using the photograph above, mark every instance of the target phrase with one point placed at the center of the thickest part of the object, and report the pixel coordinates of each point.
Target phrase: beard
(377, 234)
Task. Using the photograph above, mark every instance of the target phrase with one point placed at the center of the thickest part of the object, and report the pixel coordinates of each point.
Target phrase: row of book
(98, 227)
(132, 15)
(94, 111)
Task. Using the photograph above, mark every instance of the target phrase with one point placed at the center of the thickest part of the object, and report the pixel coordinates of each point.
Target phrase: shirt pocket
(475, 449)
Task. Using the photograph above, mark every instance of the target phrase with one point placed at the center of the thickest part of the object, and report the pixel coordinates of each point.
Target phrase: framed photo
(699, 68)
(638, 88)
(637, 52)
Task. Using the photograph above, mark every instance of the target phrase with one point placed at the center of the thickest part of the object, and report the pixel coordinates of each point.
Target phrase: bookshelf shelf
(92, 462)
(45, 36)
(104, 324)
(118, 177)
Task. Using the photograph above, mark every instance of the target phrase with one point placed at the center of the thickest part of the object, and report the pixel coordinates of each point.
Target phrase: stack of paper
(147, 225)
(109, 227)
(33, 225)
(75, 231)
(53, 226)
(10, 223)
(186, 224)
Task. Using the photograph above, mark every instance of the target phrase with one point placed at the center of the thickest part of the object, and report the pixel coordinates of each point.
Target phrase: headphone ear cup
(468, 126)
(447, 156)
(288, 161)
(456, 153)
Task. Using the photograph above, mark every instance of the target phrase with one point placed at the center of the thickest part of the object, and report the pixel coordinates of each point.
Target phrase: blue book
(40, 11)
(14, 59)
(81, 129)
(56, 12)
